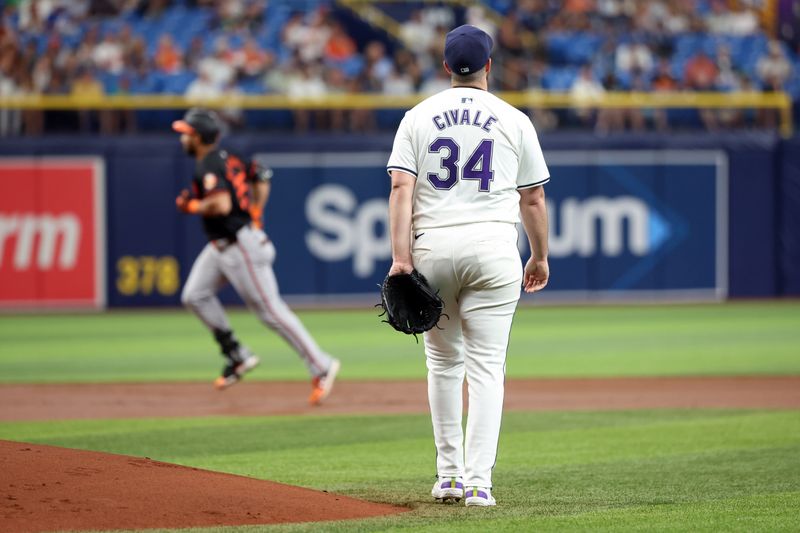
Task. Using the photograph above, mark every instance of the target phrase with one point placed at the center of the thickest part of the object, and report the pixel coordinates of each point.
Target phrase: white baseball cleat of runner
(323, 385)
(232, 374)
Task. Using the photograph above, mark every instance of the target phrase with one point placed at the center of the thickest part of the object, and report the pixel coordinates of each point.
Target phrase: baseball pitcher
(465, 166)
(229, 194)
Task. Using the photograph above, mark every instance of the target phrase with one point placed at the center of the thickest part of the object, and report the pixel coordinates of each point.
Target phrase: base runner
(229, 194)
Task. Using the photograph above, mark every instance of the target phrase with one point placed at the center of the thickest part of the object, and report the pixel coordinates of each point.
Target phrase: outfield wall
(632, 217)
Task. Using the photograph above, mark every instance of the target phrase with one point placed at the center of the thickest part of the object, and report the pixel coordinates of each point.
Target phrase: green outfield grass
(724, 339)
(704, 470)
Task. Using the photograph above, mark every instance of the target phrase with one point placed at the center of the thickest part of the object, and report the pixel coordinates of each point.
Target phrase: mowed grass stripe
(724, 339)
(668, 470)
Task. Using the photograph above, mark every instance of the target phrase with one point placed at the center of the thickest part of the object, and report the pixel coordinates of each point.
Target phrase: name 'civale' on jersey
(470, 152)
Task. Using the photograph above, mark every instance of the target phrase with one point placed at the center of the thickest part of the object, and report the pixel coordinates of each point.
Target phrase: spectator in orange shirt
(340, 46)
(700, 74)
(168, 57)
(663, 82)
(579, 6)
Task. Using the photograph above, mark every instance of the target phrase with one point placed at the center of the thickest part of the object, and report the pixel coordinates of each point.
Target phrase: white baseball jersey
(470, 152)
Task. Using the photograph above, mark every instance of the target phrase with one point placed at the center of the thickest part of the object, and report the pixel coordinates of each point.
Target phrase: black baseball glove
(409, 303)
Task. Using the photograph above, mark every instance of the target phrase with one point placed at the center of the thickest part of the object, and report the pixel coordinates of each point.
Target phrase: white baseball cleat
(323, 385)
(448, 489)
(234, 372)
(479, 497)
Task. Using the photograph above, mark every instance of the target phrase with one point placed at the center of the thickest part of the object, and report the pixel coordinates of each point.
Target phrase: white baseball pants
(247, 265)
(478, 271)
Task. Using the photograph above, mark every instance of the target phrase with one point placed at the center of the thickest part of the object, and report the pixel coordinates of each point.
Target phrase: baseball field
(671, 417)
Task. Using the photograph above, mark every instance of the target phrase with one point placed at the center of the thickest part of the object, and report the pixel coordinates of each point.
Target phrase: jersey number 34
(478, 166)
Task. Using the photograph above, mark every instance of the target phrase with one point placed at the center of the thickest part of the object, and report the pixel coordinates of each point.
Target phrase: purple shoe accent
(479, 493)
(449, 485)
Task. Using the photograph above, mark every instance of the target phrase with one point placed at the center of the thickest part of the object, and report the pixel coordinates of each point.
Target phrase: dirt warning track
(53, 402)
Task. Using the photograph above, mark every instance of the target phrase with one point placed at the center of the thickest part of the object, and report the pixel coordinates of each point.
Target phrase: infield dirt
(146, 400)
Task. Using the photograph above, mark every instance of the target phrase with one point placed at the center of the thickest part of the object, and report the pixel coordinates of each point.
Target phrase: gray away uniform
(243, 256)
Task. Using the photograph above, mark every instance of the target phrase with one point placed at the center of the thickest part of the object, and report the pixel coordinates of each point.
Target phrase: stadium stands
(255, 46)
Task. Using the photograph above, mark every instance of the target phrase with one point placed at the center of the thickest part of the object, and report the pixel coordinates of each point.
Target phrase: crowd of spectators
(222, 48)
(590, 47)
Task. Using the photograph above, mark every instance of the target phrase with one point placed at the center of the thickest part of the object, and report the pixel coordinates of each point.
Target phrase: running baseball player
(229, 195)
(464, 166)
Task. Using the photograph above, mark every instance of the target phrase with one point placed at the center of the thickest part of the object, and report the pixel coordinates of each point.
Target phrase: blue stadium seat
(710, 44)
(252, 86)
(501, 6)
(572, 48)
(557, 46)
(274, 19)
(677, 66)
(687, 44)
(581, 47)
(624, 79)
(71, 41)
(110, 81)
(110, 25)
(736, 44)
(559, 78)
(176, 13)
(235, 41)
(177, 83)
(351, 67)
(703, 6)
(145, 85)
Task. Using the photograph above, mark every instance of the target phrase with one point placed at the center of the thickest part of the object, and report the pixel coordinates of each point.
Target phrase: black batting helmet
(201, 121)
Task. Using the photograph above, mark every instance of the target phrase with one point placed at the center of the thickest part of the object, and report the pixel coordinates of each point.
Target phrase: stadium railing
(779, 101)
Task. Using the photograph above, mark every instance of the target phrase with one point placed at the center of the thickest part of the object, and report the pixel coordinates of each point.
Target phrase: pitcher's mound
(45, 488)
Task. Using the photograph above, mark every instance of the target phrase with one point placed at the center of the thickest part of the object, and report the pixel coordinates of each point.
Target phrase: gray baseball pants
(247, 265)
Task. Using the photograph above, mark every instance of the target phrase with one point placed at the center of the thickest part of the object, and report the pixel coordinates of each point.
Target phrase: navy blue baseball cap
(467, 49)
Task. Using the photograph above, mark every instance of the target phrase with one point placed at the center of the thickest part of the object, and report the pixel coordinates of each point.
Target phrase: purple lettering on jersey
(453, 117)
(488, 124)
(447, 119)
(437, 121)
(464, 117)
(448, 163)
(476, 120)
(479, 165)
